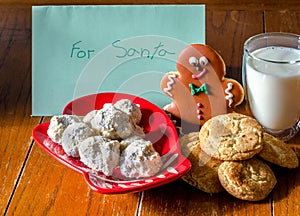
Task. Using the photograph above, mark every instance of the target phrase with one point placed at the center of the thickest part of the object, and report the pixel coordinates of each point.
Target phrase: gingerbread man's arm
(233, 93)
(183, 105)
(167, 83)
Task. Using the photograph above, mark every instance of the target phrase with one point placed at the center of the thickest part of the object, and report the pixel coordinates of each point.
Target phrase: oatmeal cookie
(231, 137)
(188, 142)
(204, 171)
(278, 152)
(250, 180)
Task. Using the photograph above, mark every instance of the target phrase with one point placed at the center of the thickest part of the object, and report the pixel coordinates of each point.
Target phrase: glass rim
(246, 50)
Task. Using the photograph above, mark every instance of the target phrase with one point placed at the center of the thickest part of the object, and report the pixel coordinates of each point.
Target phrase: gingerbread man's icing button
(199, 112)
(199, 105)
(200, 117)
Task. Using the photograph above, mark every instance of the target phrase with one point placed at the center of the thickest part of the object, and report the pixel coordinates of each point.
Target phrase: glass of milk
(271, 78)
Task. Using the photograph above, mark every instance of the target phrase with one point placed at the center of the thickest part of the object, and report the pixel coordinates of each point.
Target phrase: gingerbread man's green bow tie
(195, 90)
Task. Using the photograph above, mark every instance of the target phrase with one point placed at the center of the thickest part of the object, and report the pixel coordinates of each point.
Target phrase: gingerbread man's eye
(203, 61)
(193, 61)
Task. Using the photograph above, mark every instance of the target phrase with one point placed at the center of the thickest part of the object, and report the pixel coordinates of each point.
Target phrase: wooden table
(33, 183)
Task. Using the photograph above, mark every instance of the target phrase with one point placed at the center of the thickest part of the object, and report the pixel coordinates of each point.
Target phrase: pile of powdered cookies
(230, 152)
(107, 139)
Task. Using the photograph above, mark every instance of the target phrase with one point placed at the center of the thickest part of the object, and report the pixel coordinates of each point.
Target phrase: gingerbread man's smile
(199, 65)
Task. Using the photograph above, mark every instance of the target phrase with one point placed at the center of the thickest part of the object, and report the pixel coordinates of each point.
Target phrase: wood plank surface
(49, 188)
(178, 198)
(15, 86)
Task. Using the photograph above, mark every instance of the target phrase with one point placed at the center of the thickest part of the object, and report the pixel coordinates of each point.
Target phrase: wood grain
(287, 192)
(283, 21)
(15, 121)
(215, 4)
(49, 188)
(178, 198)
(226, 32)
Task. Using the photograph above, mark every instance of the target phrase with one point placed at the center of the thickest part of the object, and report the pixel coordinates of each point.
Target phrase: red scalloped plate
(158, 129)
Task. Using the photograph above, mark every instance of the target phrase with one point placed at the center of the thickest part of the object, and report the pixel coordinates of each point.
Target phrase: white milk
(274, 89)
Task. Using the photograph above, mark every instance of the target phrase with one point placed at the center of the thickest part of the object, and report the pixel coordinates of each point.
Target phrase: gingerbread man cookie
(199, 89)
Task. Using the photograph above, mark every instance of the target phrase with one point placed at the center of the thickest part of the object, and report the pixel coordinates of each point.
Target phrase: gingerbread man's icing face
(199, 89)
(199, 65)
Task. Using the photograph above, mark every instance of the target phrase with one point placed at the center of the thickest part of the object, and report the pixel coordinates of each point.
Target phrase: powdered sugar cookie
(199, 90)
(130, 108)
(113, 123)
(100, 154)
(90, 116)
(74, 134)
(58, 124)
(140, 159)
(132, 139)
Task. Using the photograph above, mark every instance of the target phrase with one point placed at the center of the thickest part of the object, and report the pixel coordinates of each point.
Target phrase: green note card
(81, 50)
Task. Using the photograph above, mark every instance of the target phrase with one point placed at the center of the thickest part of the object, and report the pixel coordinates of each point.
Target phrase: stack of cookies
(230, 153)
